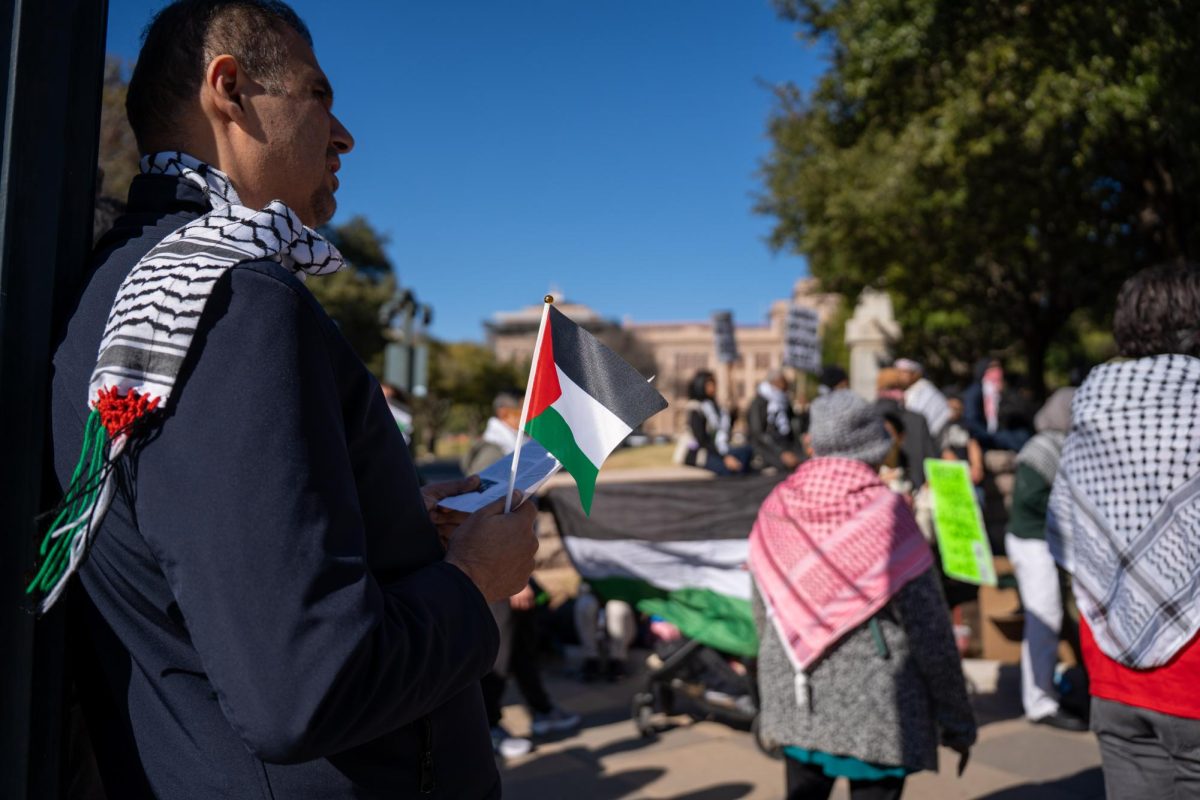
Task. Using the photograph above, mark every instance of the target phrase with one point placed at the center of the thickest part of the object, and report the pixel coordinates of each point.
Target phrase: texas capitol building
(672, 351)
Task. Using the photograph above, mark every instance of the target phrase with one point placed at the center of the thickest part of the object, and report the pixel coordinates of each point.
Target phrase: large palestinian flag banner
(584, 399)
(675, 549)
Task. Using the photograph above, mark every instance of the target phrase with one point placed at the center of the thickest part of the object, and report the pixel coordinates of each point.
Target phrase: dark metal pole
(51, 84)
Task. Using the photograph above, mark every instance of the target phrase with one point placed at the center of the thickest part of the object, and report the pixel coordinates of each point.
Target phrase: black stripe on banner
(602, 373)
(664, 511)
(151, 362)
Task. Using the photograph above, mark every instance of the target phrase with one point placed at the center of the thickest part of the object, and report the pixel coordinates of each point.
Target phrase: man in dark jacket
(992, 412)
(272, 606)
(774, 429)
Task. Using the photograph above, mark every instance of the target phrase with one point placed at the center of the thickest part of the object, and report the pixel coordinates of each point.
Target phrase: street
(708, 760)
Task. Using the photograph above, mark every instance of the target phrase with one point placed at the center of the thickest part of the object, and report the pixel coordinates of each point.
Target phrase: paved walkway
(705, 760)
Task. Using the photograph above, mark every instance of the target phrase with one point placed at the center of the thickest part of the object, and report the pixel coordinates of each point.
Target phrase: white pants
(619, 623)
(1037, 582)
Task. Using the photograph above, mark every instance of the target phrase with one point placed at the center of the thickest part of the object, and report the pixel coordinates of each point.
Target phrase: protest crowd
(278, 602)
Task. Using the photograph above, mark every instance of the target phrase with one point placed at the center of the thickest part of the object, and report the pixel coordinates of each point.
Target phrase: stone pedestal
(869, 336)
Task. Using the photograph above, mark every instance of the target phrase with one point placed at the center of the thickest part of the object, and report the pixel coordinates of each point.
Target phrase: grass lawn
(651, 455)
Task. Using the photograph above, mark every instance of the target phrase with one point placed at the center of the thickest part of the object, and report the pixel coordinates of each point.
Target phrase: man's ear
(225, 88)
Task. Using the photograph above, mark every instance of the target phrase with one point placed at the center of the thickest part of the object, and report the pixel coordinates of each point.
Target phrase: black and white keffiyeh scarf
(718, 424)
(925, 399)
(777, 407)
(1124, 515)
(1042, 454)
(149, 333)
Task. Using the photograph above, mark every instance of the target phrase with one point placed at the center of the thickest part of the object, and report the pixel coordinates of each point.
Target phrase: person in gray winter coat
(858, 671)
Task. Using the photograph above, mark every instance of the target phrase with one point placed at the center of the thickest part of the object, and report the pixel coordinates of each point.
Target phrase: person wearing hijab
(1037, 574)
(858, 672)
(1124, 520)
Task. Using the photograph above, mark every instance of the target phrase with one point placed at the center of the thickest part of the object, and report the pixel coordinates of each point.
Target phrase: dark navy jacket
(267, 613)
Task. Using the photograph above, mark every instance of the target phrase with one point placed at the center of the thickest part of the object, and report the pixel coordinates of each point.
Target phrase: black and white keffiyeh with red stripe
(1124, 515)
(148, 335)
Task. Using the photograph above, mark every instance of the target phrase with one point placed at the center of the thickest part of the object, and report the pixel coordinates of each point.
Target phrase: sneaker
(506, 745)
(554, 721)
(718, 698)
(615, 671)
(590, 671)
(1063, 721)
(742, 703)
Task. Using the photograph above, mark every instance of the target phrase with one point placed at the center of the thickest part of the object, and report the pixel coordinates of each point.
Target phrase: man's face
(302, 141)
(510, 416)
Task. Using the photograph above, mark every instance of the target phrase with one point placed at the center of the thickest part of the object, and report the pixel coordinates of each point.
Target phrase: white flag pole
(537, 350)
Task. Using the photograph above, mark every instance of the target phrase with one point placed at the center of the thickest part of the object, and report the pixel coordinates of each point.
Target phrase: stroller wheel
(768, 747)
(643, 713)
(665, 699)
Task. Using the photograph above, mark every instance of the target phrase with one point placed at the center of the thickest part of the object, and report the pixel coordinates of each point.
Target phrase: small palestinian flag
(584, 399)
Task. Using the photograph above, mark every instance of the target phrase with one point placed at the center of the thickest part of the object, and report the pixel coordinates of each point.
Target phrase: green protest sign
(962, 541)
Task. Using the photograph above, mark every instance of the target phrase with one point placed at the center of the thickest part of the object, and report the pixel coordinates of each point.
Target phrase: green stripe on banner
(713, 619)
(555, 435)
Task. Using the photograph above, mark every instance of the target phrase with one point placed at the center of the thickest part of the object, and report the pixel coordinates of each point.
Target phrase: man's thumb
(497, 506)
(440, 491)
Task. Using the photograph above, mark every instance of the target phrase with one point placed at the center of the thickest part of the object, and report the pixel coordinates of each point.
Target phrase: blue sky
(605, 149)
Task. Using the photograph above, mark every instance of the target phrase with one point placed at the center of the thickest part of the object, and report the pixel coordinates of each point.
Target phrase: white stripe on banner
(716, 564)
(596, 429)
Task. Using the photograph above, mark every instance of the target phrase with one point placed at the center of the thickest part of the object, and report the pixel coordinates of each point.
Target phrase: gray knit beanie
(1056, 414)
(844, 425)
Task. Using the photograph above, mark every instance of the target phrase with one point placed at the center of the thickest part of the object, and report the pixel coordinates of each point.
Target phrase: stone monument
(869, 336)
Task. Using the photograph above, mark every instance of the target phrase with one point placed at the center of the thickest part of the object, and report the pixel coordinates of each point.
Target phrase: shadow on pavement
(726, 791)
(1087, 784)
(581, 769)
(1005, 702)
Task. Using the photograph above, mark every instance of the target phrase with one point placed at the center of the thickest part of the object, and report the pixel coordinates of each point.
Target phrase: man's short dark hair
(184, 37)
(1158, 312)
(509, 398)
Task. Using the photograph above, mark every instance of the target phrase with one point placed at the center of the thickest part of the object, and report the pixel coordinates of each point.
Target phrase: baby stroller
(693, 676)
(676, 551)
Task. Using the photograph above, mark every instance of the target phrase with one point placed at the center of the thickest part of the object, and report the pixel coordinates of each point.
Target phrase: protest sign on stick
(724, 338)
(802, 345)
(962, 540)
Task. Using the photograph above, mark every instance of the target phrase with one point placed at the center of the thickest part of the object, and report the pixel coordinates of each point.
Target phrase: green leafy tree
(355, 296)
(464, 379)
(995, 166)
(833, 337)
(118, 148)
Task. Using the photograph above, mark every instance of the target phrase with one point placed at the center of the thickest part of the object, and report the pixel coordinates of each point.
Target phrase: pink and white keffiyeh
(831, 546)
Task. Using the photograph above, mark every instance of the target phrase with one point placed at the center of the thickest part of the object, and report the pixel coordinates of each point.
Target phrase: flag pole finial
(549, 298)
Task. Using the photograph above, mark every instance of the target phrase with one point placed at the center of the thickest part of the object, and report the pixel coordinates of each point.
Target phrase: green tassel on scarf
(86, 483)
(90, 491)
